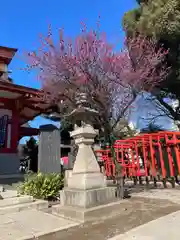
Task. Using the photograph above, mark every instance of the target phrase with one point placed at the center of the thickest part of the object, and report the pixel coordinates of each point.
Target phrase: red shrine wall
(10, 135)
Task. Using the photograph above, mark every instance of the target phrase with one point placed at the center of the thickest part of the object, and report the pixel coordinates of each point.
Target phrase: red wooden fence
(144, 155)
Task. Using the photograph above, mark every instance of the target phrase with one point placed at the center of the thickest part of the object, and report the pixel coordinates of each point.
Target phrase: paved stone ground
(140, 209)
(30, 224)
(172, 195)
(164, 228)
(132, 213)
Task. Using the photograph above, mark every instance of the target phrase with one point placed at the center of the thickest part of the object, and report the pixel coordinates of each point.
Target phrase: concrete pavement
(172, 195)
(30, 224)
(164, 228)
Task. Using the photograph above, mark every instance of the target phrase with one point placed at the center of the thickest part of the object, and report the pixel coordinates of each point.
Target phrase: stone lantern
(86, 172)
(86, 187)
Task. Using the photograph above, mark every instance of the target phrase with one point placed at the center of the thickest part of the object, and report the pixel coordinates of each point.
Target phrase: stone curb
(15, 200)
(38, 204)
(41, 234)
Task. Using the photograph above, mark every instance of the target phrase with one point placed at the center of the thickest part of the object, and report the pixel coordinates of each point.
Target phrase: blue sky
(23, 21)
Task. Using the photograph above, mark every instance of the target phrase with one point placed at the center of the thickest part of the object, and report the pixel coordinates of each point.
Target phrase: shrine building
(18, 105)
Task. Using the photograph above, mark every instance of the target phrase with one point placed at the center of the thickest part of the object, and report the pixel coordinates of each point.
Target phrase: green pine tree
(160, 20)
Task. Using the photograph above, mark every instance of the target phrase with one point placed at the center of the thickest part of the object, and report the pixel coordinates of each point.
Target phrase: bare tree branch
(88, 64)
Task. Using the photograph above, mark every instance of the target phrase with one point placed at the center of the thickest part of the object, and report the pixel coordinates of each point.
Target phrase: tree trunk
(119, 176)
(120, 185)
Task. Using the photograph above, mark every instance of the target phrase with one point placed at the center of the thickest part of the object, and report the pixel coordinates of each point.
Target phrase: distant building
(18, 105)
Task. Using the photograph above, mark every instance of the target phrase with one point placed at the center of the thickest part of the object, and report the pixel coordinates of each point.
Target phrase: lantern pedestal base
(84, 205)
(86, 189)
(87, 198)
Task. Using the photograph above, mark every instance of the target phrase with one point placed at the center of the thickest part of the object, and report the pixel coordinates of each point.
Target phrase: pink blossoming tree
(88, 63)
(111, 79)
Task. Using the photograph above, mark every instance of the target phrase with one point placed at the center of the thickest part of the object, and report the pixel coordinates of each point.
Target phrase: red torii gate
(160, 153)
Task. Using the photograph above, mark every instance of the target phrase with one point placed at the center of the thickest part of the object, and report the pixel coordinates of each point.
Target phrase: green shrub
(42, 186)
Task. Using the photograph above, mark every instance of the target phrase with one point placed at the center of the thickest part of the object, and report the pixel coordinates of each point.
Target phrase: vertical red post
(133, 161)
(153, 165)
(138, 173)
(170, 158)
(161, 158)
(145, 157)
(122, 160)
(177, 152)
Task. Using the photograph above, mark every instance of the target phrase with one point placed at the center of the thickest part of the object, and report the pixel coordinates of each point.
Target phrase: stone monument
(86, 187)
(49, 149)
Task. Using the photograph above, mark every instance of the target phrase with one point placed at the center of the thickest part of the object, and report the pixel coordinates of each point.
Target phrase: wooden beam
(20, 89)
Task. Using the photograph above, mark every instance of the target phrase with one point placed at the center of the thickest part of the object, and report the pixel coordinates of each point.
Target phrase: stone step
(81, 215)
(69, 213)
(37, 204)
(15, 200)
(9, 194)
